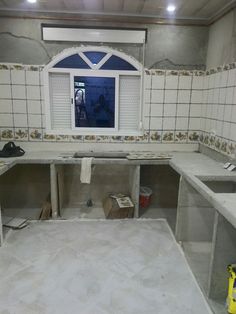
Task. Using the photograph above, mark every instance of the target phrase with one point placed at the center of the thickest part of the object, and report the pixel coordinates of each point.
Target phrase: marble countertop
(188, 164)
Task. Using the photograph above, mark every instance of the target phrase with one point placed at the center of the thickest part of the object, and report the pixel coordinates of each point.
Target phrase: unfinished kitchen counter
(202, 220)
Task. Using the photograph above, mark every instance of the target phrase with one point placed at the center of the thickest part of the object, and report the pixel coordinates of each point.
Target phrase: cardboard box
(113, 211)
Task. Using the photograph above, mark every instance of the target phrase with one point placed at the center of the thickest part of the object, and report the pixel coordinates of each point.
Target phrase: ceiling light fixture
(32, 1)
(171, 8)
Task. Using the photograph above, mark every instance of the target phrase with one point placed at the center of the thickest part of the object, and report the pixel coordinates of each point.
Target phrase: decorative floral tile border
(221, 145)
(35, 135)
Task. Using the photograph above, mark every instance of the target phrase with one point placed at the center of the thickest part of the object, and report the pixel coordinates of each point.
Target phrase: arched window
(93, 90)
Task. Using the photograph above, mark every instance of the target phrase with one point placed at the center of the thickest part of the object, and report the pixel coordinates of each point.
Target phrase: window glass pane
(116, 63)
(95, 56)
(74, 61)
(94, 102)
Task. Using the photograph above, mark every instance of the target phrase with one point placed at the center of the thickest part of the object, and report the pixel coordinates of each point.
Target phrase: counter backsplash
(180, 107)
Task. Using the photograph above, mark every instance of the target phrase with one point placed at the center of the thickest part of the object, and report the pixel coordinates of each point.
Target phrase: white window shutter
(129, 103)
(60, 99)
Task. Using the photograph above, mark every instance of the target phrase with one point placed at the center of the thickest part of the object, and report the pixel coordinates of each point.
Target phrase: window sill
(95, 133)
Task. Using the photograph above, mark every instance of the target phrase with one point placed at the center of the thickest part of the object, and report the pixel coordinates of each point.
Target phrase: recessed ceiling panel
(192, 10)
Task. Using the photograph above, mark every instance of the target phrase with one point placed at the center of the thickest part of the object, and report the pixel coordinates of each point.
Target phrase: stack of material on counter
(118, 206)
(14, 223)
(148, 155)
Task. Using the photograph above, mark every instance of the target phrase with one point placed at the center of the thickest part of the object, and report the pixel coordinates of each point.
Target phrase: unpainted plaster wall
(222, 41)
(168, 46)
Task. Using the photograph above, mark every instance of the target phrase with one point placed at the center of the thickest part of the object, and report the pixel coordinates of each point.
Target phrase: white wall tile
(19, 106)
(35, 121)
(212, 81)
(5, 91)
(217, 80)
(220, 112)
(214, 113)
(219, 128)
(232, 77)
(171, 82)
(209, 111)
(226, 130)
(227, 112)
(229, 95)
(147, 81)
(197, 82)
(195, 110)
(156, 110)
(181, 123)
(196, 97)
(6, 120)
(183, 110)
(222, 97)
(44, 121)
(210, 99)
(20, 120)
(34, 106)
(184, 96)
(233, 115)
(185, 82)
(168, 123)
(18, 77)
(146, 122)
(158, 81)
(233, 132)
(18, 92)
(5, 77)
(146, 109)
(216, 95)
(43, 106)
(155, 123)
(224, 79)
(169, 110)
(147, 96)
(157, 96)
(41, 78)
(5, 106)
(194, 123)
(171, 96)
(33, 92)
(32, 77)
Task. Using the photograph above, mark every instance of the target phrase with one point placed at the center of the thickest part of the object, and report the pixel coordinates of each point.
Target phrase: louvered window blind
(60, 99)
(129, 103)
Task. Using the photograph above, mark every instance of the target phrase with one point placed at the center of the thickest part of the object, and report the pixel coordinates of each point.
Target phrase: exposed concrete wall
(168, 46)
(222, 41)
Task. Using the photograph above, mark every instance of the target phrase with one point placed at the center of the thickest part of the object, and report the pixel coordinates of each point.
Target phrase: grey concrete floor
(102, 267)
(156, 213)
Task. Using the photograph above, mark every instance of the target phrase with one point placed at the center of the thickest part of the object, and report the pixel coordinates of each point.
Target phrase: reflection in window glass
(94, 102)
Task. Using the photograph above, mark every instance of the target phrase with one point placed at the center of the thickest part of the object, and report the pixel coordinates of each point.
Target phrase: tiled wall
(218, 123)
(21, 103)
(180, 107)
(171, 107)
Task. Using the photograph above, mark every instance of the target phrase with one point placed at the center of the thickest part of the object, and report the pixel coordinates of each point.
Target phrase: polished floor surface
(96, 267)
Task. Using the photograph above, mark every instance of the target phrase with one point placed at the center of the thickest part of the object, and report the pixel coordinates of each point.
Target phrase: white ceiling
(198, 11)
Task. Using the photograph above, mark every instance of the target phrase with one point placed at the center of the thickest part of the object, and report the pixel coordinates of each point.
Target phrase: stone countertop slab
(188, 164)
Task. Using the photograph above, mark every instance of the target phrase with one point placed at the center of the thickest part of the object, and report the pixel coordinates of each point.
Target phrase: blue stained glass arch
(75, 61)
(95, 56)
(72, 62)
(116, 63)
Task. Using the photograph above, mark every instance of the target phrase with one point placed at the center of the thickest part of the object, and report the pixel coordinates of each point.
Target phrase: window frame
(94, 71)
